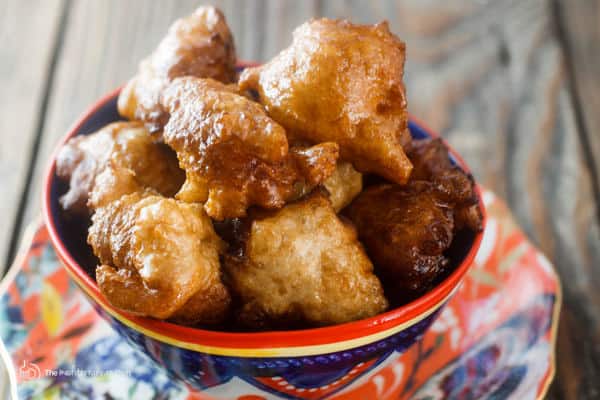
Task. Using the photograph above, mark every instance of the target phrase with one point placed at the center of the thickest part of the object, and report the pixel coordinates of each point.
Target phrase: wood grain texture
(579, 23)
(490, 76)
(27, 33)
(493, 81)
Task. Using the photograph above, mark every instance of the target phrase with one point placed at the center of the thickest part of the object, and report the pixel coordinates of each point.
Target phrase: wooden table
(513, 85)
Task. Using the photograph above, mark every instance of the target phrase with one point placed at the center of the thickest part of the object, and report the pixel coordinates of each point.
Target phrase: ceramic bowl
(310, 363)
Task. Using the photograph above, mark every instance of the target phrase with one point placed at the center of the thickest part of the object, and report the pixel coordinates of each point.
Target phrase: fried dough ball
(301, 265)
(159, 258)
(119, 159)
(432, 163)
(234, 155)
(342, 83)
(406, 230)
(198, 45)
(343, 185)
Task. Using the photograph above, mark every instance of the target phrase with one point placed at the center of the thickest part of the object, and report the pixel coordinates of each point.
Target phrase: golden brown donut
(301, 265)
(198, 45)
(159, 258)
(340, 82)
(119, 159)
(234, 155)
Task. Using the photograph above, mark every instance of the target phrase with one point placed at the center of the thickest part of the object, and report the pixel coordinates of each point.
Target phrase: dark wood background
(513, 85)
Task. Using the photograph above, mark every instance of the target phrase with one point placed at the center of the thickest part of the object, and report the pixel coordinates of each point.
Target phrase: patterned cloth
(494, 339)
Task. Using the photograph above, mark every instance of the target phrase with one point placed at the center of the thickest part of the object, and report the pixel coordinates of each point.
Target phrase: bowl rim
(269, 343)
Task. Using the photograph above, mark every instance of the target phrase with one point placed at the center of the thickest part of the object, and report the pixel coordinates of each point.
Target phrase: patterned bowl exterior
(309, 364)
(314, 376)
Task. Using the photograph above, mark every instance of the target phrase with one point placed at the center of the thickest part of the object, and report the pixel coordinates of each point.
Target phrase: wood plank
(27, 32)
(579, 25)
(493, 81)
(490, 76)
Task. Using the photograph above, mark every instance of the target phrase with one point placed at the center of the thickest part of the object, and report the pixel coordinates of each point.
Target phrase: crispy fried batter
(234, 155)
(120, 158)
(159, 258)
(406, 230)
(198, 45)
(302, 264)
(343, 185)
(341, 82)
(432, 163)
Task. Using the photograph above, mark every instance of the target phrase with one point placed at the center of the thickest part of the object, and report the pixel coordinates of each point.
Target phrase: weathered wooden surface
(579, 26)
(497, 89)
(490, 76)
(28, 30)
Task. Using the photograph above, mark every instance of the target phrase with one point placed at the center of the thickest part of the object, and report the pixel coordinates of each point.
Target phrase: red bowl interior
(272, 339)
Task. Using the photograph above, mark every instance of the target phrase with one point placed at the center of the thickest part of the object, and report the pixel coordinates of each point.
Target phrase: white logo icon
(29, 370)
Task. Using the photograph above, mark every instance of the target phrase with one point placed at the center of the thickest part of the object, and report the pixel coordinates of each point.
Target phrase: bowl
(309, 363)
